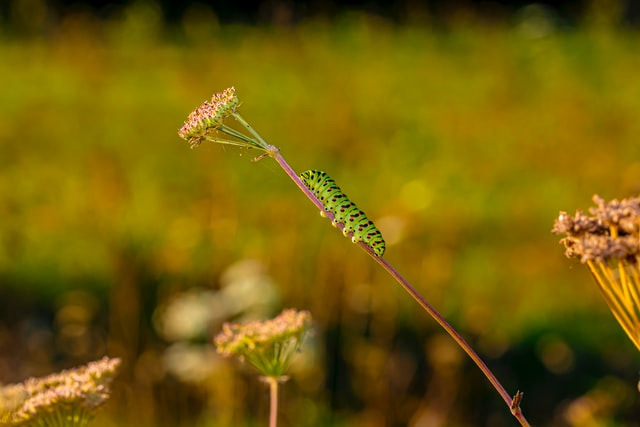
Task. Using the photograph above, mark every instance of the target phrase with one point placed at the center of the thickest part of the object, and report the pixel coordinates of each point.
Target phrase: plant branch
(226, 141)
(232, 132)
(273, 400)
(275, 153)
(246, 124)
(513, 403)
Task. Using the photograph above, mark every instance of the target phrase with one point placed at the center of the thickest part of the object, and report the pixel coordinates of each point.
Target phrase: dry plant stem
(621, 295)
(513, 403)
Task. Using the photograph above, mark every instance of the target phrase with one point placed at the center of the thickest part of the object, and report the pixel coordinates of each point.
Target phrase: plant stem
(225, 141)
(455, 335)
(275, 153)
(273, 397)
(232, 132)
(513, 403)
(261, 142)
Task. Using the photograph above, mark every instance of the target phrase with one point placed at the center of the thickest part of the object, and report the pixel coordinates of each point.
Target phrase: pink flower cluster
(77, 391)
(209, 115)
(267, 345)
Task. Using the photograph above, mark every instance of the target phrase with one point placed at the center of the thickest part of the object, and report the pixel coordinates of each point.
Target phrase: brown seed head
(610, 232)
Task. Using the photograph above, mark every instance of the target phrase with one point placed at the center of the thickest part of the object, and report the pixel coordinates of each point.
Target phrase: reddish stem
(513, 403)
(272, 382)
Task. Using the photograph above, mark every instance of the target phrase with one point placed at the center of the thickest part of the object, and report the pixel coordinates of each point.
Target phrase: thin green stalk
(232, 132)
(513, 403)
(246, 124)
(225, 141)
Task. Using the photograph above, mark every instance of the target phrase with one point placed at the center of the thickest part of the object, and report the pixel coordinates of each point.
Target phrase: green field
(463, 143)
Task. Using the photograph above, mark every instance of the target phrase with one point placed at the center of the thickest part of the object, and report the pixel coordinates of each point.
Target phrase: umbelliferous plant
(607, 242)
(210, 122)
(268, 346)
(69, 398)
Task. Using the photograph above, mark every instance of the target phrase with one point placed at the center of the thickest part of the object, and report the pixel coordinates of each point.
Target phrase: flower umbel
(267, 345)
(67, 398)
(207, 122)
(608, 242)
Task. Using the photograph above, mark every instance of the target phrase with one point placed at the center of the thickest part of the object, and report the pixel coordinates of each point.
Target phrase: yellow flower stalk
(607, 242)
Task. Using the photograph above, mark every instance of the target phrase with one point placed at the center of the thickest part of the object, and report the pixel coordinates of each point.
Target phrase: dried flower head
(607, 241)
(67, 398)
(209, 116)
(611, 232)
(267, 345)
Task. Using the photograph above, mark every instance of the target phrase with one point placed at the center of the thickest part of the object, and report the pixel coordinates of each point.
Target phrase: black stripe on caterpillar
(344, 210)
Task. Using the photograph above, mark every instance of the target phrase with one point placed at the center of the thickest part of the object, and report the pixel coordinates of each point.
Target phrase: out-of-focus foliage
(462, 143)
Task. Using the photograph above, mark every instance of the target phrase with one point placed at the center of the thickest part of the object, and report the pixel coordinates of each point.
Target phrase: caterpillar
(344, 210)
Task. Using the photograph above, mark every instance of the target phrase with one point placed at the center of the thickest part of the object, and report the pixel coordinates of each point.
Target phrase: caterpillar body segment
(346, 212)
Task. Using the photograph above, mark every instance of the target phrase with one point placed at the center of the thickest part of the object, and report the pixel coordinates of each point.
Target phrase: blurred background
(461, 128)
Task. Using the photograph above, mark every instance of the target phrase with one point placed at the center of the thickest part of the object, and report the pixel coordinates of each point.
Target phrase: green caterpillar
(344, 210)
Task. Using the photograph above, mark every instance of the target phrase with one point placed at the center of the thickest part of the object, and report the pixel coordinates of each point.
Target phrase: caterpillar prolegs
(344, 210)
